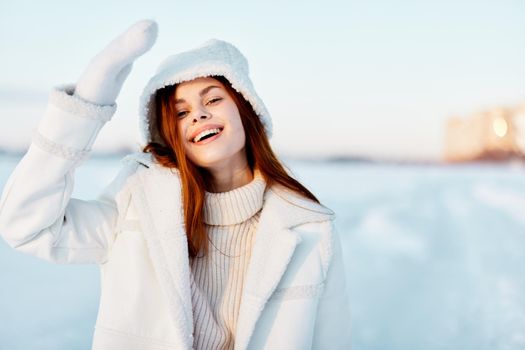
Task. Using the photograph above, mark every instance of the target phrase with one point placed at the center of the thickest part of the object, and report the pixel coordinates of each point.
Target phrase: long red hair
(195, 180)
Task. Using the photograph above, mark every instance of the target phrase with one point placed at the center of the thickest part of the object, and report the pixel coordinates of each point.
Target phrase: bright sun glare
(500, 127)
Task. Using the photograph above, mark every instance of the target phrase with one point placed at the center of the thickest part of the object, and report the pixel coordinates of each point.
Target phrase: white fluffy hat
(214, 57)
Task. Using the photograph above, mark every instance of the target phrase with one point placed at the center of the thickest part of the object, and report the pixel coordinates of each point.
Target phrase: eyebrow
(202, 93)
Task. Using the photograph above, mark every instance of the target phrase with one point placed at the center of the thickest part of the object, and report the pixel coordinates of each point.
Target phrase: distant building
(495, 134)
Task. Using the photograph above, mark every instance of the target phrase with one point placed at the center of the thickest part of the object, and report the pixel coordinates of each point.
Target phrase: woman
(203, 240)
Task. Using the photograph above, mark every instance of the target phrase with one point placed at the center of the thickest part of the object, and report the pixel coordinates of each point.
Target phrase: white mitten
(76, 113)
(102, 80)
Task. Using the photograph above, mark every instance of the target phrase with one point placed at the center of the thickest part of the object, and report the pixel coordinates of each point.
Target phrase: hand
(102, 80)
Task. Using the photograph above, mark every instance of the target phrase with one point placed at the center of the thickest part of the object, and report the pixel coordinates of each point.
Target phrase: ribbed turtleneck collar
(237, 205)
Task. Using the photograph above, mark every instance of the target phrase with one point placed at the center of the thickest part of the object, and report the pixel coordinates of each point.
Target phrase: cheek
(238, 132)
(181, 134)
(180, 128)
(242, 135)
(236, 123)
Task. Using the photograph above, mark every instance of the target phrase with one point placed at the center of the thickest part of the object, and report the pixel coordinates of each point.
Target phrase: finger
(129, 45)
(123, 74)
(139, 38)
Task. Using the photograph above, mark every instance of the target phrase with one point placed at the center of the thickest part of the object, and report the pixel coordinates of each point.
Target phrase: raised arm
(37, 214)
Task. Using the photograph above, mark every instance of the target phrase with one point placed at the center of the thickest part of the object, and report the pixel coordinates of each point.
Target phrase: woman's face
(209, 124)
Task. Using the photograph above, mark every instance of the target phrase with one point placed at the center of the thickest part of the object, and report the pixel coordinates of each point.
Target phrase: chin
(214, 159)
(207, 162)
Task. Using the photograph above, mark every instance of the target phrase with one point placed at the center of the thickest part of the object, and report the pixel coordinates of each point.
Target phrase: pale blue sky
(369, 77)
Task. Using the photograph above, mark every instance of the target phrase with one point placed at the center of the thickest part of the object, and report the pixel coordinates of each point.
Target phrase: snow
(434, 258)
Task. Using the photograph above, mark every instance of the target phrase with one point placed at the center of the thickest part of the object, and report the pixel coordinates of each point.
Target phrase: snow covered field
(435, 259)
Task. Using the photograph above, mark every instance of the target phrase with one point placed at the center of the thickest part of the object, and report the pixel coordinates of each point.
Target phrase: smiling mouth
(207, 135)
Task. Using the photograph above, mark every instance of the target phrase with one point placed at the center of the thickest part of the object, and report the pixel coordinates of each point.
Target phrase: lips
(203, 128)
(208, 139)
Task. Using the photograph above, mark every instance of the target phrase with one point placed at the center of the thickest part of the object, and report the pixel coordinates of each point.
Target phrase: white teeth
(204, 133)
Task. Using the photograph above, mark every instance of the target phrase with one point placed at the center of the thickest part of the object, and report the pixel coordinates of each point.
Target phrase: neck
(228, 178)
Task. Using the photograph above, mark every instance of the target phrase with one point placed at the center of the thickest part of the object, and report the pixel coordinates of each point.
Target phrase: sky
(358, 78)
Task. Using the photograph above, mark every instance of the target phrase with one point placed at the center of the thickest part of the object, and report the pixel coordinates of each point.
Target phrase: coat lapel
(156, 195)
(275, 243)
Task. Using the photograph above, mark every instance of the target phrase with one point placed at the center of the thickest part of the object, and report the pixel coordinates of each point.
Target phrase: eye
(214, 100)
(181, 114)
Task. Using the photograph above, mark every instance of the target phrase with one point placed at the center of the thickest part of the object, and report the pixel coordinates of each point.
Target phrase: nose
(203, 115)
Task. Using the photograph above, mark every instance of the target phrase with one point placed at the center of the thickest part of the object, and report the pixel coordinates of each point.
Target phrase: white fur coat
(294, 295)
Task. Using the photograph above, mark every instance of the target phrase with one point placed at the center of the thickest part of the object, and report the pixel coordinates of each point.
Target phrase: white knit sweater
(217, 279)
